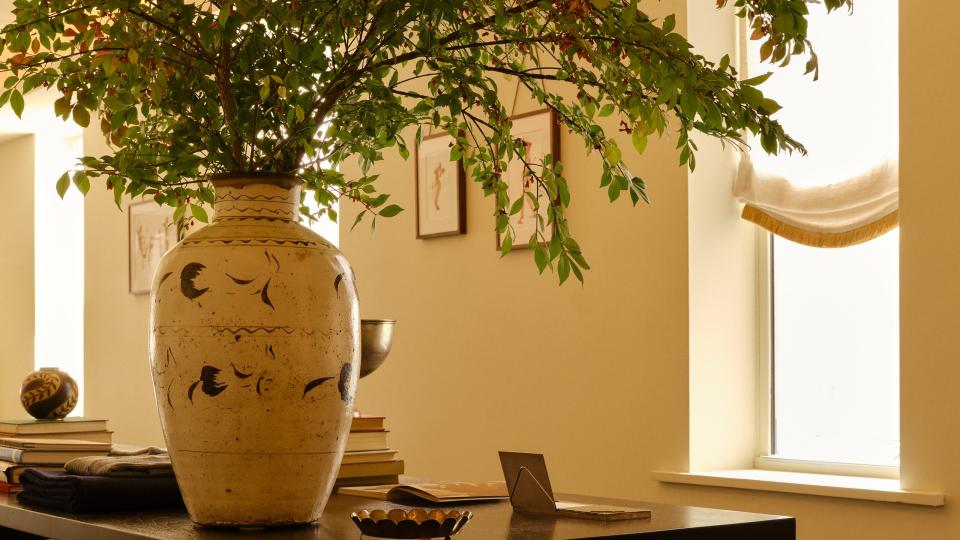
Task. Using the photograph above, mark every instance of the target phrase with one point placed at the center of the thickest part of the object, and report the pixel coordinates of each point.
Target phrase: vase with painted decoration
(255, 344)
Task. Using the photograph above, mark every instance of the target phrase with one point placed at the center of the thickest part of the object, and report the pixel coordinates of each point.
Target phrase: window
(325, 227)
(58, 251)
(834, 313)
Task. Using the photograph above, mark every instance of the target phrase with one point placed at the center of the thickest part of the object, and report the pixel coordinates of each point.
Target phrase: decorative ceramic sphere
(49, 394)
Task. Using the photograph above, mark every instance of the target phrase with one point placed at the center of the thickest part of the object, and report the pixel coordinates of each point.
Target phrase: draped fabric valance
(840, 214)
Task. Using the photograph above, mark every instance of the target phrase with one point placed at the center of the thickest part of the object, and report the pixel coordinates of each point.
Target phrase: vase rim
(246, 178)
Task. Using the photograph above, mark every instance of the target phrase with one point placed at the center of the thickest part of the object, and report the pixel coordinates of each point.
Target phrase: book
(367, 481)
(63, 445)
(26, 456)
(7, 487)
(379, 468)
(92, 436)
(367, 440)
(368, 456)
(11, 471)
(367, 423)
(67, 425)
(434, 492)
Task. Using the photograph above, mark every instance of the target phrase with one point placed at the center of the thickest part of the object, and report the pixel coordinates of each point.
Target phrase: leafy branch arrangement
(184, 90)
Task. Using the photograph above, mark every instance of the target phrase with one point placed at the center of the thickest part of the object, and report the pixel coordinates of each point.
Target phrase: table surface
(491, 521)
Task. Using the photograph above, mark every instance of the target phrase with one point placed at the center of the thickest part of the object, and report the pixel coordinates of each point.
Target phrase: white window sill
(826, 485)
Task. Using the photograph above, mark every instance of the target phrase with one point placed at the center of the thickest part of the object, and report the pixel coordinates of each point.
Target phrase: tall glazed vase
(254, 351)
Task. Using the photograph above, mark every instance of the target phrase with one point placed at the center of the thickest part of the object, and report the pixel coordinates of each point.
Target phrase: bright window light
(835, 315)
(58, 244)
(323, 226)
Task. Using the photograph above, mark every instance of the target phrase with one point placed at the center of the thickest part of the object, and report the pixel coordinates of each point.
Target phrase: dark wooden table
(492, 521)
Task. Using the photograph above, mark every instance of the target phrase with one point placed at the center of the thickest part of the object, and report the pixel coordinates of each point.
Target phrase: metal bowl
(376, 337)
(413, 523)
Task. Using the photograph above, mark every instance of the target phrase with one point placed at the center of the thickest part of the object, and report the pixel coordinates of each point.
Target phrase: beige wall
(930, 253)
(117, 374)
(17, 271)
(723, 283)
(597, 378)
(491, 356)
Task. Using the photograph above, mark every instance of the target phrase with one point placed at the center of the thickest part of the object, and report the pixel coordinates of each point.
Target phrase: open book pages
(435, 492)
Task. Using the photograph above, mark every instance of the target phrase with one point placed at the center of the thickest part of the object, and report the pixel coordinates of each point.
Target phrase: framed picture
(540, 134)
(152, 233)
(441, 193)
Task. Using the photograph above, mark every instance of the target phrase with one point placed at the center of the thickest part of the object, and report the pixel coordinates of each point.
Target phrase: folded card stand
(529, 487)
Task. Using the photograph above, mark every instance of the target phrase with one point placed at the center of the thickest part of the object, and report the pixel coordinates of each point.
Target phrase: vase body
(255, 354)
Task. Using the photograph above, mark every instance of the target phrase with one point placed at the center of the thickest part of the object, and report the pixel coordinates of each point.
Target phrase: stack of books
(368, 459)
(47, 445)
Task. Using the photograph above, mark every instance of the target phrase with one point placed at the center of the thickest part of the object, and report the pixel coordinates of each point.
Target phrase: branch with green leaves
(184, 90)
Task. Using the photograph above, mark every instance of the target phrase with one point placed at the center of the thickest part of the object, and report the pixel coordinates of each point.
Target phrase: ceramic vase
(254, 349)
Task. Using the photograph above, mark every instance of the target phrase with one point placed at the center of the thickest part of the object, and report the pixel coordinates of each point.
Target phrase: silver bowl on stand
(376, 337)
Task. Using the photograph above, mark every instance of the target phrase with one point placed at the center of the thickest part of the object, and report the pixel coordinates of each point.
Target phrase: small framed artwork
(152, 233)
(441, 192)
(540, 134)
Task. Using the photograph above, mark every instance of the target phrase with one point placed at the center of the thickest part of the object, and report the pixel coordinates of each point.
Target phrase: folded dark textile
(59, 490)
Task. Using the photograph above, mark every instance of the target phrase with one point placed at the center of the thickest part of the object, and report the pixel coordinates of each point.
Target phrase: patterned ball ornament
(49, 394)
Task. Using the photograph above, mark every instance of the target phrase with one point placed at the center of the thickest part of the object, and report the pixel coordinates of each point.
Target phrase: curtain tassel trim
(818, 239)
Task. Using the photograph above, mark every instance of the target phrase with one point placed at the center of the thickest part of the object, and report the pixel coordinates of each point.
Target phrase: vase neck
(252, 198)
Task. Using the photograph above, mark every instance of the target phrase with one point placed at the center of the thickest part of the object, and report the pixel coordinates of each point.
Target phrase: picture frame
(151, 233)
(542, 129)
(440, 189)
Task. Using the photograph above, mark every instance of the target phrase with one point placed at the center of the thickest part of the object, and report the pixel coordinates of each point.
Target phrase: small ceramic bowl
(414, 523)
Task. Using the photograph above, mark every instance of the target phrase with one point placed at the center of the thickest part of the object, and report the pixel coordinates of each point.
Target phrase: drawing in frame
(540, 133)
(440, 189)
(152, 233)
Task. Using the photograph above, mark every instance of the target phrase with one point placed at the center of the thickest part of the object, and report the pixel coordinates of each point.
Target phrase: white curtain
(845, 191)
(839, 214)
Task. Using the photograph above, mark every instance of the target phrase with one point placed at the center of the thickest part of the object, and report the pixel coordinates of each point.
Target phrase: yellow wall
(490, 356)
(596, 377)
(118, 384)
(17, 268)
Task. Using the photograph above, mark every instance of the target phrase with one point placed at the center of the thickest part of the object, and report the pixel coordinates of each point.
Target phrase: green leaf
(61, 107)
(63, 184)
(224, 14)
(178, 213)
(517, 206)
(199, 213)
(358, 219)
(758, 80)
(16, 101)
(391, 210)
(770, 106)
(81, 116)
(669, 23)
(639, 141)
(540, 257)
(82, 181)
(612, 153)
(506, 243)
(563, 268)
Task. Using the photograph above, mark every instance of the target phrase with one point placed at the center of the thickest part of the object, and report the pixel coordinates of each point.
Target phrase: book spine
(12, 455)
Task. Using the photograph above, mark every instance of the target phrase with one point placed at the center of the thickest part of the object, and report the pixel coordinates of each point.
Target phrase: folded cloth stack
(59, 490)
(137, 480)
(149, 461)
